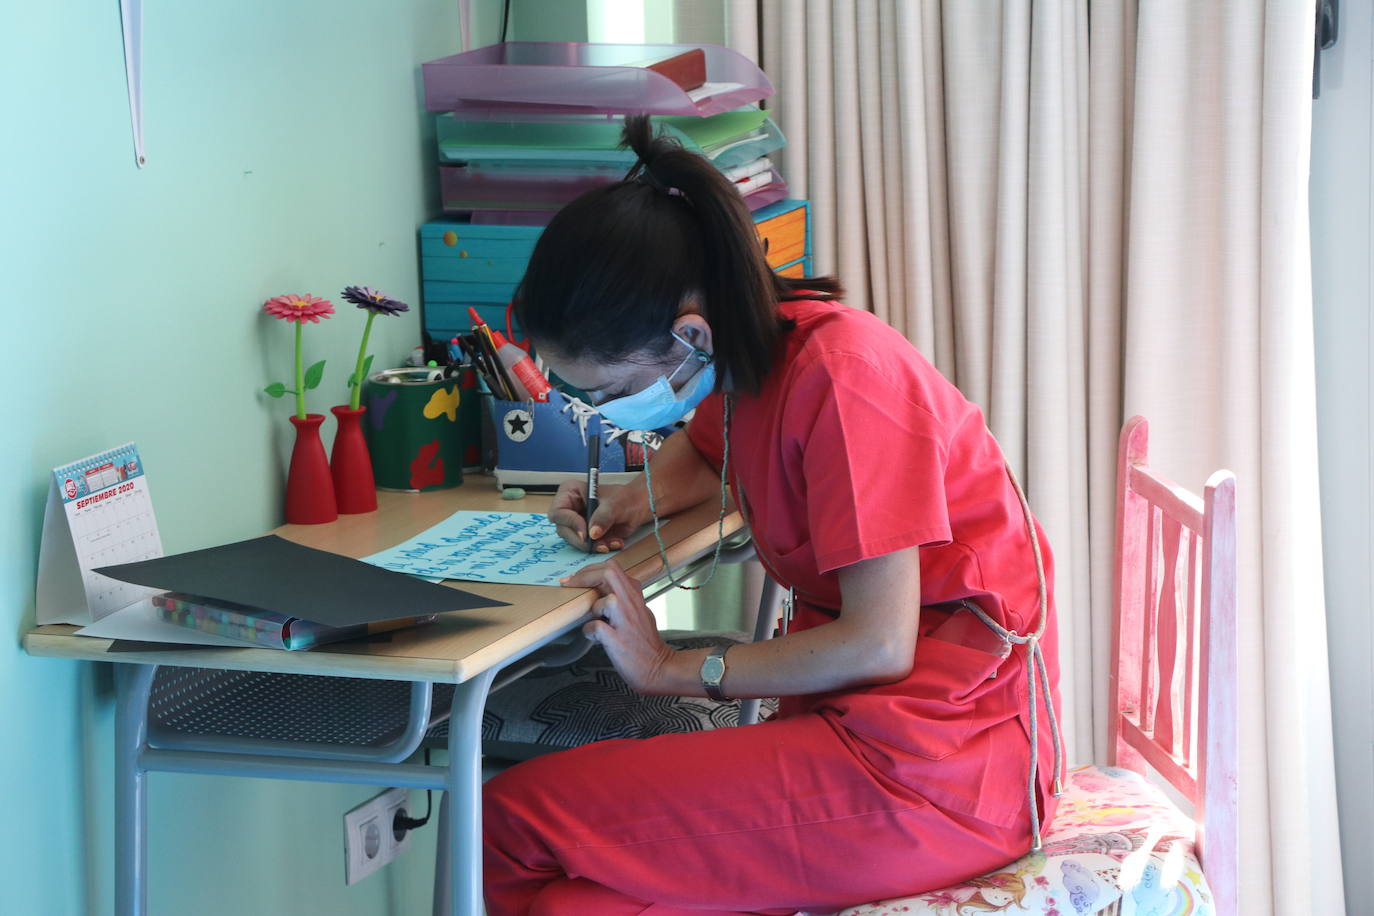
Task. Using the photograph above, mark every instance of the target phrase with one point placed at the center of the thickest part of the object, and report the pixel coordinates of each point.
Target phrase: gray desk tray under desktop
(346, 718)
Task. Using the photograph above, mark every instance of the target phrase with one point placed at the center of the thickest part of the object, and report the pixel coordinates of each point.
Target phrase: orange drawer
(784, 237)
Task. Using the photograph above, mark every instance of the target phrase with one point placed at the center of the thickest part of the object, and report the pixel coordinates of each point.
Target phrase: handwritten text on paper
(517, 547)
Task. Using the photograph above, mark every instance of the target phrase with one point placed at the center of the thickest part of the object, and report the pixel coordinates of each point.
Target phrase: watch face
(713, 669)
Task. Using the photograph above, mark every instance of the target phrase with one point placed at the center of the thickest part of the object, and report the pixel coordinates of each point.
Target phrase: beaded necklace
(720, 522)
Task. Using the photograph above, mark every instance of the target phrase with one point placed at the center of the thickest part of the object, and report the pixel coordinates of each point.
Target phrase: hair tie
(647, 176)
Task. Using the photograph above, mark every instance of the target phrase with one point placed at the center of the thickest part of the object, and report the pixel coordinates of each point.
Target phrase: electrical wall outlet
(369, 840)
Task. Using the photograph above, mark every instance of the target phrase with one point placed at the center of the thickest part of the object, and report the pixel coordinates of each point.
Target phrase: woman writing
(917, 672)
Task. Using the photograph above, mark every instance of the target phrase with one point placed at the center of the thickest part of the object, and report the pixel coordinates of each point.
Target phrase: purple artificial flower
(375, 301)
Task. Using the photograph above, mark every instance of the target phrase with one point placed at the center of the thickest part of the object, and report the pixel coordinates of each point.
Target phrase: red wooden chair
(1174, 682)
(1118, 845)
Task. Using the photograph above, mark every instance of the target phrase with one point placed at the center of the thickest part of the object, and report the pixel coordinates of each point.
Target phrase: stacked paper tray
(499, 195)
(562, 77)
(765, 197)
(521, 171)
(526, 127)
(472, 186)
(728, 140)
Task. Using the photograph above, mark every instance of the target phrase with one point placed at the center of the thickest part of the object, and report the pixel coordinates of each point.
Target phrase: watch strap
(713, 686)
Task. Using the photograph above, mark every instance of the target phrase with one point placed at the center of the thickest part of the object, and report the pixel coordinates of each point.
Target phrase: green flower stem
(300, 377)
(356, 398)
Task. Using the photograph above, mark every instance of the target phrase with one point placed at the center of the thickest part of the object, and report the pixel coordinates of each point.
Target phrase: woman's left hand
(625, 629)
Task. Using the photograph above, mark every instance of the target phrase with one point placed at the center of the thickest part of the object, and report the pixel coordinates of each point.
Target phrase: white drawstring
(1035, 664)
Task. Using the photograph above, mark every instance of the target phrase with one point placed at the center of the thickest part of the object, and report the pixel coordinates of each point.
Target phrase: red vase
(354, 488)
(309, 486)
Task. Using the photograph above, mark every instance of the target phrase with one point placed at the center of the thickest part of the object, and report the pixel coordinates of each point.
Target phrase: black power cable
(402, 824)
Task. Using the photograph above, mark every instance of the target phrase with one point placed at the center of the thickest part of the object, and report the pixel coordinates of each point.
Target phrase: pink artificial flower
(300, 308)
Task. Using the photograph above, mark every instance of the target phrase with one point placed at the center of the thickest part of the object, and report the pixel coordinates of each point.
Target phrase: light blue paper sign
(518, 547)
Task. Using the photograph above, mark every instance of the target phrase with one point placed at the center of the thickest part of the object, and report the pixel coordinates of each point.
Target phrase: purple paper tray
(768, 194)
(548, 77)
(465, 189)
(468, 188)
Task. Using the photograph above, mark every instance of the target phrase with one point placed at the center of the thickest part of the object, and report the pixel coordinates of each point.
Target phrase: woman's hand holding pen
(624, 627)
(618, 513)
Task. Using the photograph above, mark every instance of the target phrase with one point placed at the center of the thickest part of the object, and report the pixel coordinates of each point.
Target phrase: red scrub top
(858, 447)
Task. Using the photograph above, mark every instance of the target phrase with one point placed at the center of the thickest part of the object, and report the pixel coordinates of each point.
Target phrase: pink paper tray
(534, 77)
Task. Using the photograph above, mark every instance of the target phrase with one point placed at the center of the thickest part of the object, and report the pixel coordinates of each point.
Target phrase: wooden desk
(464, 648)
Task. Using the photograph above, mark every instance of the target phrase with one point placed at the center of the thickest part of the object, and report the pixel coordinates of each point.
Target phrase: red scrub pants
(767, 819)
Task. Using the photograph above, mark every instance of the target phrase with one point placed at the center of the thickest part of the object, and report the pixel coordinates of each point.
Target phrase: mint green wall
(544, 20)
(287, 152)
(659, 18)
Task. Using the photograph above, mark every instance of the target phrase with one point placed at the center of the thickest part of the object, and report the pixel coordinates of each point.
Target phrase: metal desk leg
(133, 683)
(443, 863)
(465, 793)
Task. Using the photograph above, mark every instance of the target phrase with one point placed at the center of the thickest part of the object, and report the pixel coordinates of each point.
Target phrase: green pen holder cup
(418, 431)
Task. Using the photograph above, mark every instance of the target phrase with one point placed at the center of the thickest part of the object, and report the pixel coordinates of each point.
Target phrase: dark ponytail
(611, 271)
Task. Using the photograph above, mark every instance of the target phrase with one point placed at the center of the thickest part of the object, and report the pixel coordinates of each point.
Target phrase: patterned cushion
(1117, 846)
(551, 709)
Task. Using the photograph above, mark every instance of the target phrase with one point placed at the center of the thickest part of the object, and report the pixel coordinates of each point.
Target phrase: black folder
(289, 578)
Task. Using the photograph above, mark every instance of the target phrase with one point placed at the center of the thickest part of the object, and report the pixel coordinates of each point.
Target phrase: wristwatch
(712, 670)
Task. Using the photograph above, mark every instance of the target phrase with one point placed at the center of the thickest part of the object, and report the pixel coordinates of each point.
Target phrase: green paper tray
(728, 139)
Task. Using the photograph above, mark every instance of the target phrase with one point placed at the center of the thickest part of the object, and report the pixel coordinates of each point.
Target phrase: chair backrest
(1174, 684)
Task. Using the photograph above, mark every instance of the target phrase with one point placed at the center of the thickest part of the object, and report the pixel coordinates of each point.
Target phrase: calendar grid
(110, 515)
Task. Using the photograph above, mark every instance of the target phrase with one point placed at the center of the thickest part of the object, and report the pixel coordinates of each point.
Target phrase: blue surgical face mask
(658, 405)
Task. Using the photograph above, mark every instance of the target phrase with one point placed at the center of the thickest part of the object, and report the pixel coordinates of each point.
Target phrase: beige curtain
(1201, 122)
(902, 116)
(1079, 222)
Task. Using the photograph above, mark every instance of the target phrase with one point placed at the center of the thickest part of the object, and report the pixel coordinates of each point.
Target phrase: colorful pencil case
(264, 628)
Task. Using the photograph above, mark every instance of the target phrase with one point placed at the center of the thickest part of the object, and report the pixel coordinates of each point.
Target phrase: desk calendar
(99, 513)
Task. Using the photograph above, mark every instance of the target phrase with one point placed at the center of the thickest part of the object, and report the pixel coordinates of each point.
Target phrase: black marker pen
(593, 481)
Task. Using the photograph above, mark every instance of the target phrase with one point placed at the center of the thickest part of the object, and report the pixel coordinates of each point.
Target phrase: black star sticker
(517, 425)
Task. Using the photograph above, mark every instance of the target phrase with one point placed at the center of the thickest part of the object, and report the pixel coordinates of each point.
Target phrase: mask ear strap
(698, 354)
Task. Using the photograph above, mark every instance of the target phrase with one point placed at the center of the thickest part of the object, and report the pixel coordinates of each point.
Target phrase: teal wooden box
(464, 265)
